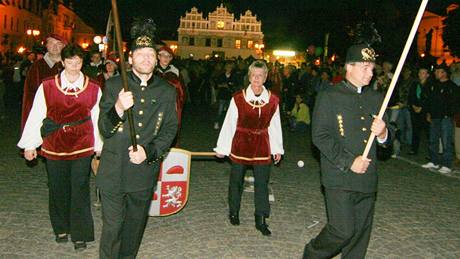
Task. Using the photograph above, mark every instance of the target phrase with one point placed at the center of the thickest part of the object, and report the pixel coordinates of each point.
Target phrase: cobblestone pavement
(417, 211)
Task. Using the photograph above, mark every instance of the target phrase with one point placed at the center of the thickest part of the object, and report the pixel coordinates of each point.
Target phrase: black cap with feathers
(143, 33)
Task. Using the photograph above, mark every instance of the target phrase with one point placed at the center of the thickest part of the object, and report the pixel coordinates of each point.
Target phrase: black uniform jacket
(155, 123)
(342, 118)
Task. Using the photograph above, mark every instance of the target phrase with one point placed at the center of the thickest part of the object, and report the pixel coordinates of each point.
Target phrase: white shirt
(224, 142)
(31, 137)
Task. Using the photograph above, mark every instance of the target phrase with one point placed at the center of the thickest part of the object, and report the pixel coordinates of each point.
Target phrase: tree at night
(451, 33)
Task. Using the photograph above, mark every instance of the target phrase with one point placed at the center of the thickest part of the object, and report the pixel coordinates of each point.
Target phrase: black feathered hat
(363, 36)
(360, 53)
(143, 33)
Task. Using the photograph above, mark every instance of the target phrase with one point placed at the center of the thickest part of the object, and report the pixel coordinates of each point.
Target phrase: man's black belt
(49, 126)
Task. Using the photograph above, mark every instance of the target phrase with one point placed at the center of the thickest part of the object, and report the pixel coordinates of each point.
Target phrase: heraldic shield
(172, 189)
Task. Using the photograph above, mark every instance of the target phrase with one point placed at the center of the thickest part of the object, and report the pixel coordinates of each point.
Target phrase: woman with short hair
(63, 121)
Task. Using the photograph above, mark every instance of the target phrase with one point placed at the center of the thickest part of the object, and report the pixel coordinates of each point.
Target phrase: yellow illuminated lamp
(21, 50)
(84, 45)
(220, 24)
(173, 47)
(284, 53)
(422, 55)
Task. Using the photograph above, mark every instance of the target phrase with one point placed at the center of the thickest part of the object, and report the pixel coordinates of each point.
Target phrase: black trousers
(418, 125)
(69, 198)
(124, 217)
(349, 226)
(235, 189)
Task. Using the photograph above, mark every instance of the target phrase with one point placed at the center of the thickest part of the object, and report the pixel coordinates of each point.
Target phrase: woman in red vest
(251, 134)
(63, 121)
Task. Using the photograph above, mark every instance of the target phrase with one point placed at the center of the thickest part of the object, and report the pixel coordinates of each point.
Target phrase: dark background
(291, 24)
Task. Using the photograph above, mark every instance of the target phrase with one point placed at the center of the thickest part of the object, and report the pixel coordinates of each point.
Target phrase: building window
(250, 44)
(191, 42)
(185, 40)
(11, 24)
(219, 43)
(17, 24)
(220, 24)
(5, 21)
(208, 42)
(238, 44)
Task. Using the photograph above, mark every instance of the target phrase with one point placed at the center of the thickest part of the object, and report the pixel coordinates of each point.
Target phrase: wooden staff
(124, 79)
(203, 153)
(409, 41)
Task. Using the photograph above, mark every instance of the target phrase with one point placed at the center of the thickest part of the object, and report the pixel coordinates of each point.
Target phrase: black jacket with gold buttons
(342, 118)
(155, 123)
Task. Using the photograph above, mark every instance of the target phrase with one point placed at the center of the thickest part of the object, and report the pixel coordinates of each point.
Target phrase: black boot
(262, 226)
(234, 219)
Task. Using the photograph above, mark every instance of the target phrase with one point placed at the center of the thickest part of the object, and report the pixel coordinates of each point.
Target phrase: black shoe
(234, 219)
(79, 245)
(62, 238)
(262, 226)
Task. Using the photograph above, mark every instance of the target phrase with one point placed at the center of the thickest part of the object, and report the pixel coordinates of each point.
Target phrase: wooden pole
(401, 62)
(124, 78)
(203, 153)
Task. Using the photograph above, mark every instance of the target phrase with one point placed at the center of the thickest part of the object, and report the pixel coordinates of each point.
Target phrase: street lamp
(31, 36)
(97, 39)
(173, 47)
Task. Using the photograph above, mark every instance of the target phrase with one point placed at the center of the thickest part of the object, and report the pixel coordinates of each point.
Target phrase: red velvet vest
(72, 142)
(251, 144)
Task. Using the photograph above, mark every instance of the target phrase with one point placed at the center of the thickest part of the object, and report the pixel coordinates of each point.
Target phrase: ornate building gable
(221, 19)
(219, 34)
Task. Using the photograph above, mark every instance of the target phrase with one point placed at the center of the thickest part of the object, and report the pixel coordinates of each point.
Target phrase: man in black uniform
(126, 178)
(342, 122)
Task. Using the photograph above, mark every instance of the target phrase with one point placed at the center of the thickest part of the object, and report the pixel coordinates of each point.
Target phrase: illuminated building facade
(23, 22)
(219, 34)
(429, 40)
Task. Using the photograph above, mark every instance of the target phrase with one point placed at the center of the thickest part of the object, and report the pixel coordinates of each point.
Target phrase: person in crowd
(226, 83)
(250, 136)
(340, 129)
(455, 73)
(338, 74)
(50, 65)
(290, 87)
(442, 104)
(170, 73)
(127, 174)
(404, 119)
(96, 65)
(325, 80)
(274, 79)
(455, 77)
(111, 70)
(416, 101)
(63, 121)
(299, 117)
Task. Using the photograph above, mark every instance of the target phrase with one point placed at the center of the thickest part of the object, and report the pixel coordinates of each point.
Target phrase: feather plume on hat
(143, 33)
(365, 33)
(363, 36)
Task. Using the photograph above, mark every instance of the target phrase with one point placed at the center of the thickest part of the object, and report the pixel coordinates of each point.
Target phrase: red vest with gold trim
(251, 144)
(73, 142)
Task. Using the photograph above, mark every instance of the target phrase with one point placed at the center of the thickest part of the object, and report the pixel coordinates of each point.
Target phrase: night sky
(286, 23)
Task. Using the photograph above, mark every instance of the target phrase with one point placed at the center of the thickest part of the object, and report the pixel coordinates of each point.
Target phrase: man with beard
(126, 178)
